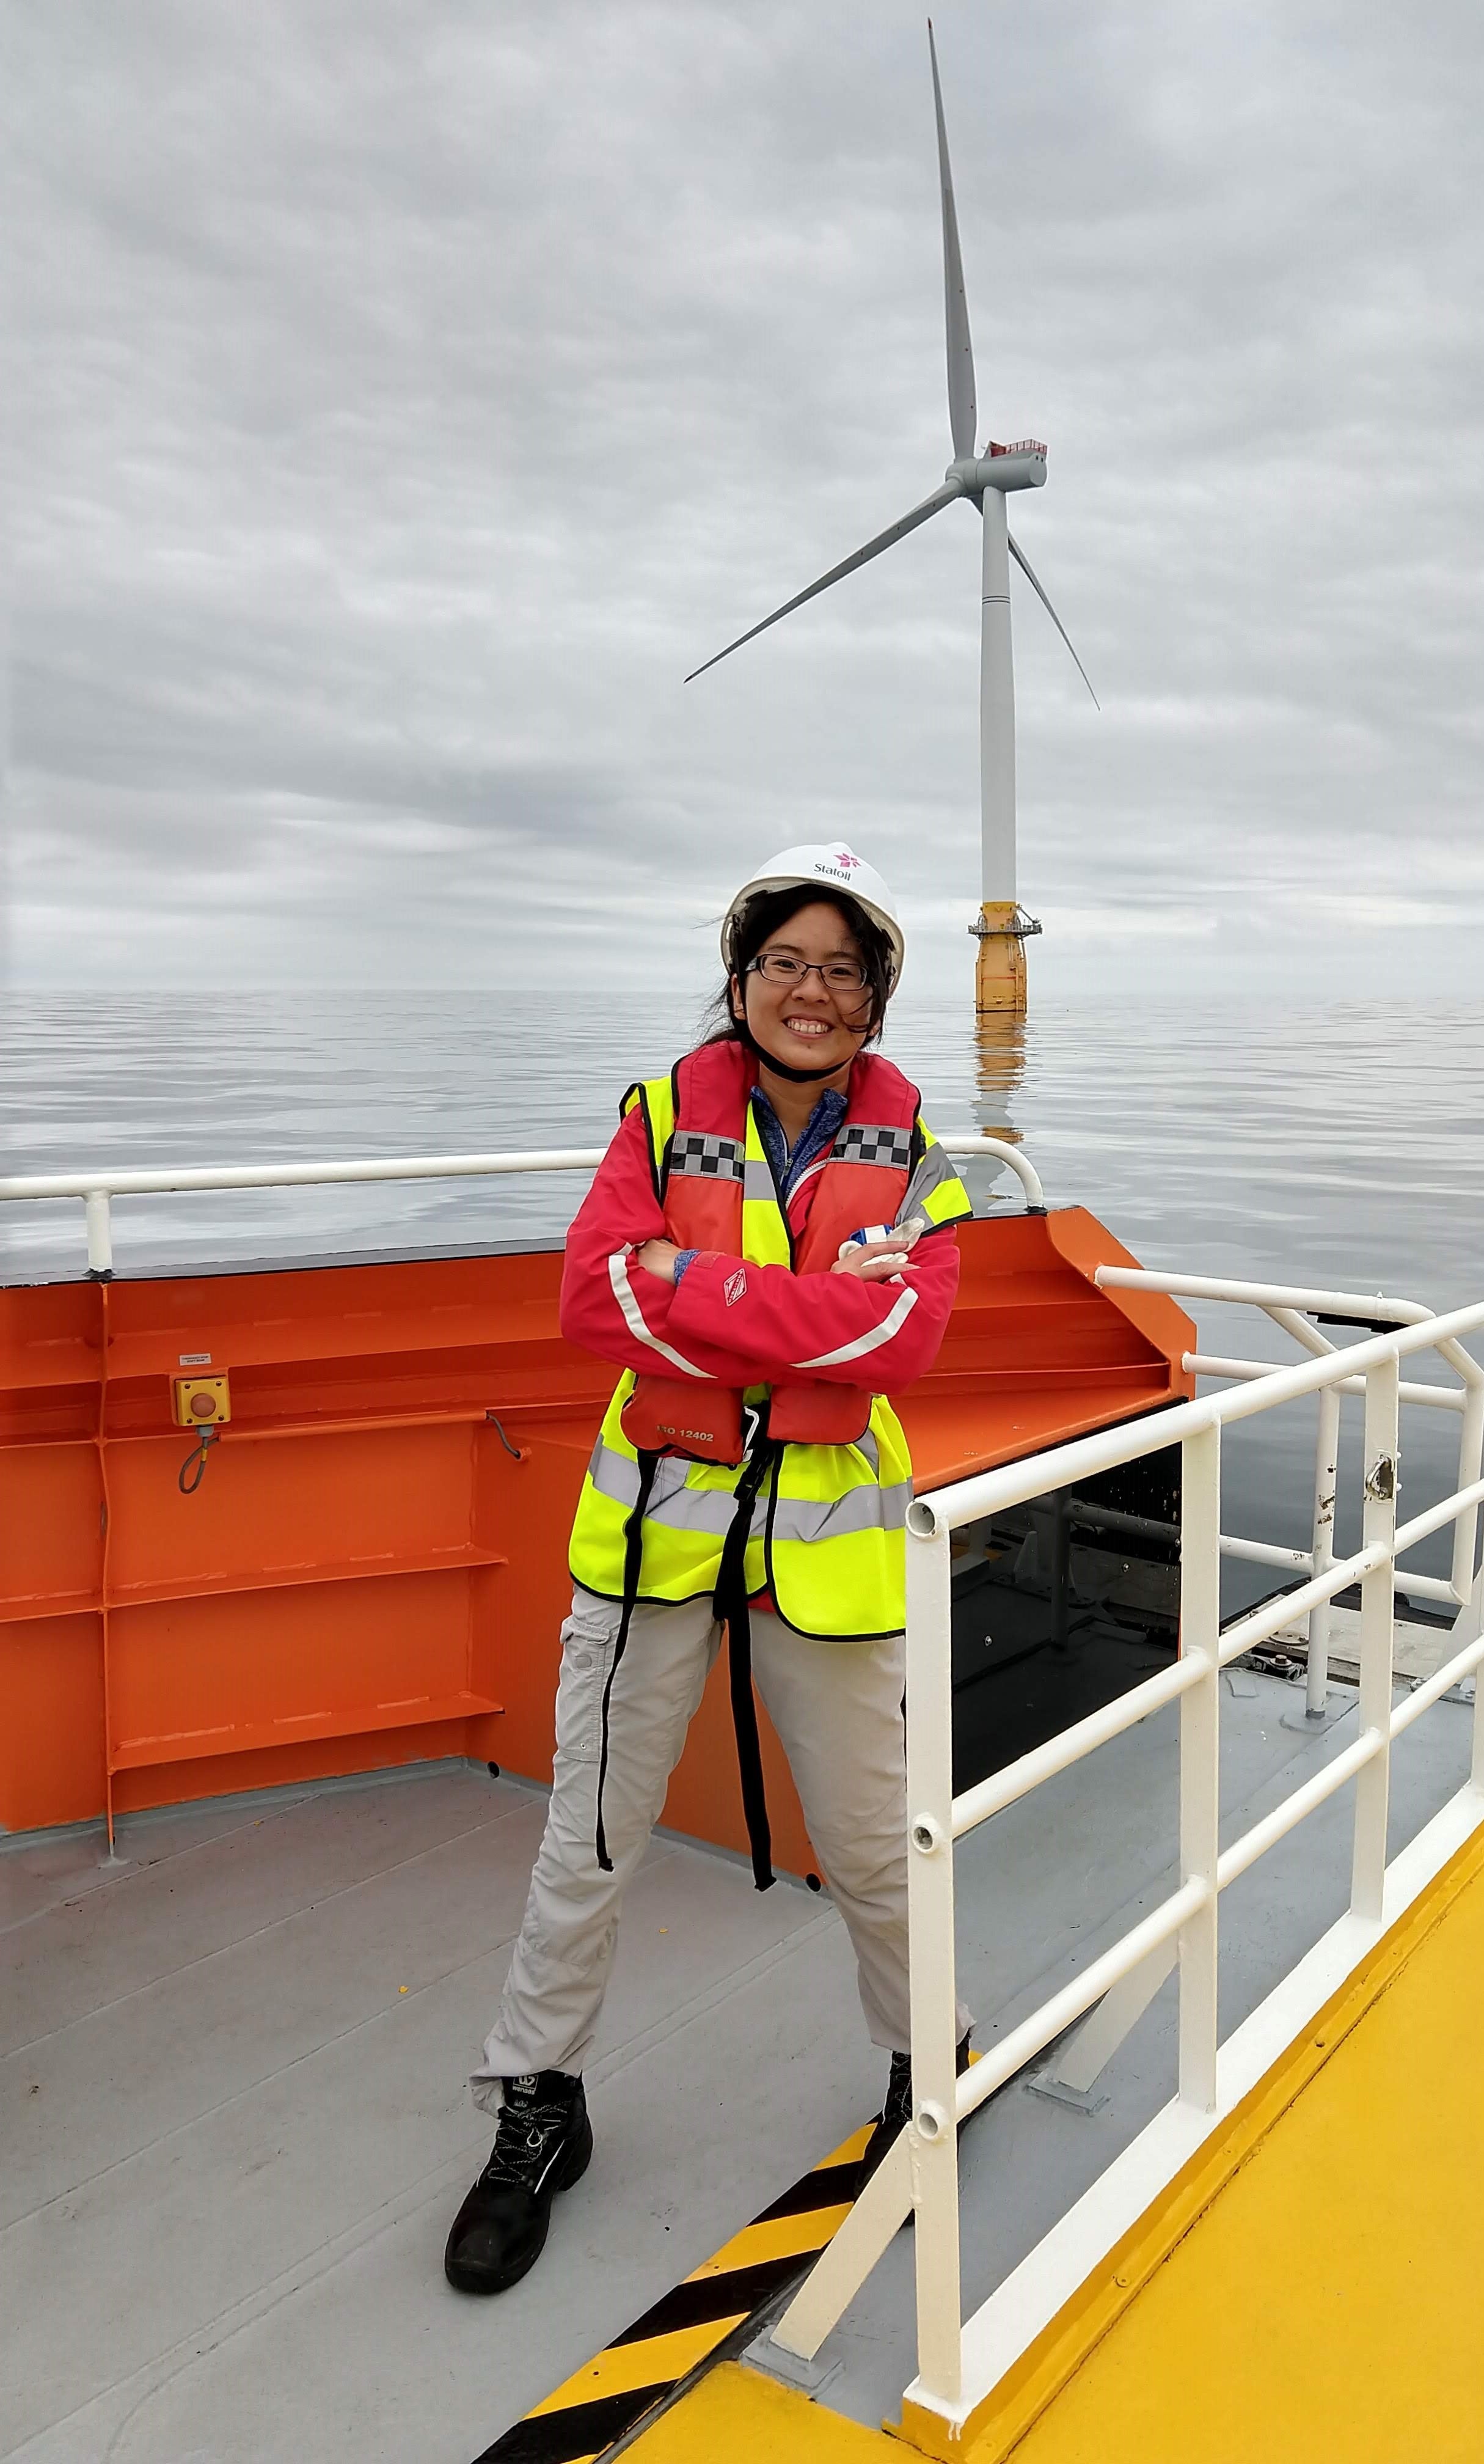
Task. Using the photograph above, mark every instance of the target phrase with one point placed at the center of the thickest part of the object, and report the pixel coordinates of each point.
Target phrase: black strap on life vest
(729, 1604)
(633, 1559)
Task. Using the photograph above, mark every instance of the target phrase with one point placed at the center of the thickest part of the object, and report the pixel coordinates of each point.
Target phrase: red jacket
(780, 1326)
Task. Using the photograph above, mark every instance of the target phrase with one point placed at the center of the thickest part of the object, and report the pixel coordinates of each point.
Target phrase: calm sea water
(1343, 1146)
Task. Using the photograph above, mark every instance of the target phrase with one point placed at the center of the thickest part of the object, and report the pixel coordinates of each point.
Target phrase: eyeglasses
(836, 975)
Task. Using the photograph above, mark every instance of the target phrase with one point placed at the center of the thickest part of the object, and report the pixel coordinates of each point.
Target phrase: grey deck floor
(233, 2123)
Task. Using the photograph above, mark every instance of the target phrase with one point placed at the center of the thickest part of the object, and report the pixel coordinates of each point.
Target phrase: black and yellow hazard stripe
(643, 2368)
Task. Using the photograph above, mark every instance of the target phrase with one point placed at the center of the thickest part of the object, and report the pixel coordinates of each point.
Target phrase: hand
(872, 1262)
(658, 1258)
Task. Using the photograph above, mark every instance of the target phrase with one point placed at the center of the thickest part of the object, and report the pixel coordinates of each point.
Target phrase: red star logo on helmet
(845, 858)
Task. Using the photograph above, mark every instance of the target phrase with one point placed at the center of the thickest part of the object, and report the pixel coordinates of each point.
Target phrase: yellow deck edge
(736, 2415)
(996, 2426)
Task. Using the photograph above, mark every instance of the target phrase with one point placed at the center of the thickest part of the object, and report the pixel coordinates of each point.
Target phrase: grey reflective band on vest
(700, 1156)
(757, 1182)
(933, 1170)
(710, 1510)
(859, 1142)
(707, 1510)
(867, 1508)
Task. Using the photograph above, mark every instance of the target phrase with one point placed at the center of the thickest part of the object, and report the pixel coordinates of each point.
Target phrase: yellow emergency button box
(201, 1403)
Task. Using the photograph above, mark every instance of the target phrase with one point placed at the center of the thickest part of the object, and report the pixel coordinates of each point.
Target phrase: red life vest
(700, 1169)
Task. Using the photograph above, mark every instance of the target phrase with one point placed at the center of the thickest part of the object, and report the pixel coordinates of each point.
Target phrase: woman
(767, 1251)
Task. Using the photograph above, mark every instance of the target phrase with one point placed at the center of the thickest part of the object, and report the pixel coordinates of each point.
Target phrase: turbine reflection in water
(999, 1069)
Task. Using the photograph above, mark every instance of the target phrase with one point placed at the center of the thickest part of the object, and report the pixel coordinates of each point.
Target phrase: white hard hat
(834, 867)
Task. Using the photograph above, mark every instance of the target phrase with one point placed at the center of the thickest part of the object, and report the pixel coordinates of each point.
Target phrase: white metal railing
(98, 1189)
(959, 2363)
(1286, 1305)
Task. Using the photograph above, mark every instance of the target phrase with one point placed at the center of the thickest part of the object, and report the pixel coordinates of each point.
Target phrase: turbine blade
(961, 369)
(1024, 563)
(919, 514)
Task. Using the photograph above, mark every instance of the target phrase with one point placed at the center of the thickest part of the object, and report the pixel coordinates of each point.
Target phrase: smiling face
(807, 1024)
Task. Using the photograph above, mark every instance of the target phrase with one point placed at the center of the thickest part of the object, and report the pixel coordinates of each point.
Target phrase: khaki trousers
(836, 1708)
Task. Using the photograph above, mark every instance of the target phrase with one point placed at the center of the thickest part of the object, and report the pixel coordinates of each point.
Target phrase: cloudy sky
(407, 393)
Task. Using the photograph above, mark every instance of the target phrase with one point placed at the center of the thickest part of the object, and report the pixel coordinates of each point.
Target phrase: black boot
(542, 2144)
(897, 2111)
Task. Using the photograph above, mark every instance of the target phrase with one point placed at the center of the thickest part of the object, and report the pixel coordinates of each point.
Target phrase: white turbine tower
(984, 481)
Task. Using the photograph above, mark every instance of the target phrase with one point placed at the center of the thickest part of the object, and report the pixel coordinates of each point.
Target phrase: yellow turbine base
(999, 975)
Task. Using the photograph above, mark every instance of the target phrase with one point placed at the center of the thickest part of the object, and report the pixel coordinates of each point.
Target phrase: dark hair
(763, 916)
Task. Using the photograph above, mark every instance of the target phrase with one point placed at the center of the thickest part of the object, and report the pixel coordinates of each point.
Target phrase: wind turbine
(983, 480)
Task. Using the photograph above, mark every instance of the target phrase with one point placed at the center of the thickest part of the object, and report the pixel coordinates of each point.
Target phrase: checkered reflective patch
(859, 1143)
(705, 1158)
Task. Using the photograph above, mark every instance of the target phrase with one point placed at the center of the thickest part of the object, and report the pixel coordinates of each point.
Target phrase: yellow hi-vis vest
(828, 1532)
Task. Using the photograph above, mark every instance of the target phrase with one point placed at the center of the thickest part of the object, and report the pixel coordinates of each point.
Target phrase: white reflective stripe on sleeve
(865, 1343)
(634, 1318)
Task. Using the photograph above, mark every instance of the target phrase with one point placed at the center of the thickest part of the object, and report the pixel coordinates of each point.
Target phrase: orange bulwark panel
(373, 1568)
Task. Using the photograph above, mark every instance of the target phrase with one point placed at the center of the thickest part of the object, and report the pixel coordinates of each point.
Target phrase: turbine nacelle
(1005, 467)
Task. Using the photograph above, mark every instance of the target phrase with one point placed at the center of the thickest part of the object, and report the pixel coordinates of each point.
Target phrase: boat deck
(235, 2124)
(1366, 2187)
